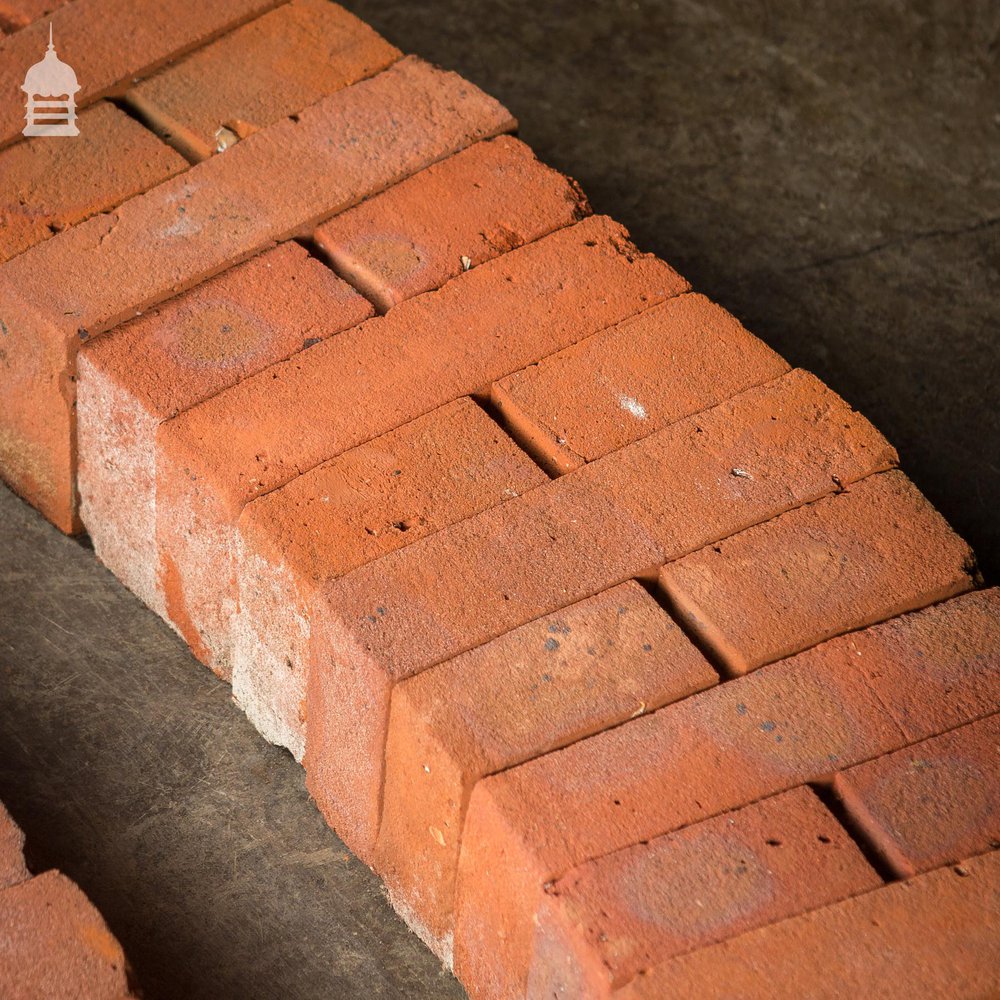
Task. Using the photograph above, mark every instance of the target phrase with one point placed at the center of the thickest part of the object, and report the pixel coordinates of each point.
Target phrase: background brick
(49, 186)
(265, 70)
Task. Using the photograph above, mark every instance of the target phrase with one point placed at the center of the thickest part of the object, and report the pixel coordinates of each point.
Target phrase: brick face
(470, 208)
(263, 71)
(49, 186)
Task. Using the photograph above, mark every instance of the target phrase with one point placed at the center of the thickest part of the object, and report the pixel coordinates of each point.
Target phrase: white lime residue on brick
(632, 406)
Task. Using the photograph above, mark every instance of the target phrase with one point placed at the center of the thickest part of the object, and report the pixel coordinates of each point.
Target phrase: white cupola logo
(50, 86)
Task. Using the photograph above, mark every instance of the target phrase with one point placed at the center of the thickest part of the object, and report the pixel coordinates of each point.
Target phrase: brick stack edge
(53, 942)
(624, 653)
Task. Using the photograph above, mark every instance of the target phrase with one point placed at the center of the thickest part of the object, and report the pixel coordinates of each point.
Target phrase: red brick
(109, 43)
(16, 14)
(873, 552)
(352, 510)
(472, 207)
(428, 351)
(790, 722)
(261, 72)
(342, 149)
(932, 803)
(12, 869)
(617, 518)
(174, 356)
(54, 944)
(608, 920)
(921, 940)
(625, 383)
(542, 686)
(52, 185)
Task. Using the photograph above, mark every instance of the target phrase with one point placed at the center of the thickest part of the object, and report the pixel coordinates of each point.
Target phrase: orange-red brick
(627, 382)
(609, 919)
(929, 938)
(342, 149)
(265, 70)
(12, 869)
(426, 352)
(617, 518)
(472, 207)
(174, 356)
(544, 685)
(873, 552)
(369, 501)
(51, 185)
(791, 722)
(932, 803)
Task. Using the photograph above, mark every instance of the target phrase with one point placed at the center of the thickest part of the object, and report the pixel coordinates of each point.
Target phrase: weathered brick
(109, 43)
(426, 352)
(352, 510)
(932, 803)
(12, 869)
(791, 722)
(174, 356)
(265, 70)
(49, 186)
(54, 944)
(615, 519)
(932, 937)
(480, 203)
(16, 14)
(344, 148)
(608, 920)
(559, 678)
(625, 383)
(873, 552)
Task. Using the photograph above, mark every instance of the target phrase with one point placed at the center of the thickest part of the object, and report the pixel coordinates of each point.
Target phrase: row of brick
(194, 225)
(53, 942)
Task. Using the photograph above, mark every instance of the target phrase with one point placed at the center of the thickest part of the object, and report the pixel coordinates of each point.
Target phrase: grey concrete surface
(130, 769)
(828, 171)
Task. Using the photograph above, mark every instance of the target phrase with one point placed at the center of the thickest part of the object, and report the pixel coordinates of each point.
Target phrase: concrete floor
(828, 171)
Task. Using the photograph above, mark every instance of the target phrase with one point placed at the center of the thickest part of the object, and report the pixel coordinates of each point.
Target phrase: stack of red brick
(621, 651)
(53, 943)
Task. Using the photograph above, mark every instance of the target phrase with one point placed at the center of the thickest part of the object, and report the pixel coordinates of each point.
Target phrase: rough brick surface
(12, 869)
(265, 70)
(873, 552)
(109, 43)
(374, 499)
(608, 920)
(476, 205)
(625, 383)
(617, 518)
(542, 686)
(921, 940)
(790, 722)
(932, 803)
(54, 944)
(15, 14)
(174, 356)
(428, 351)
(49, 185)
(342, 149)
